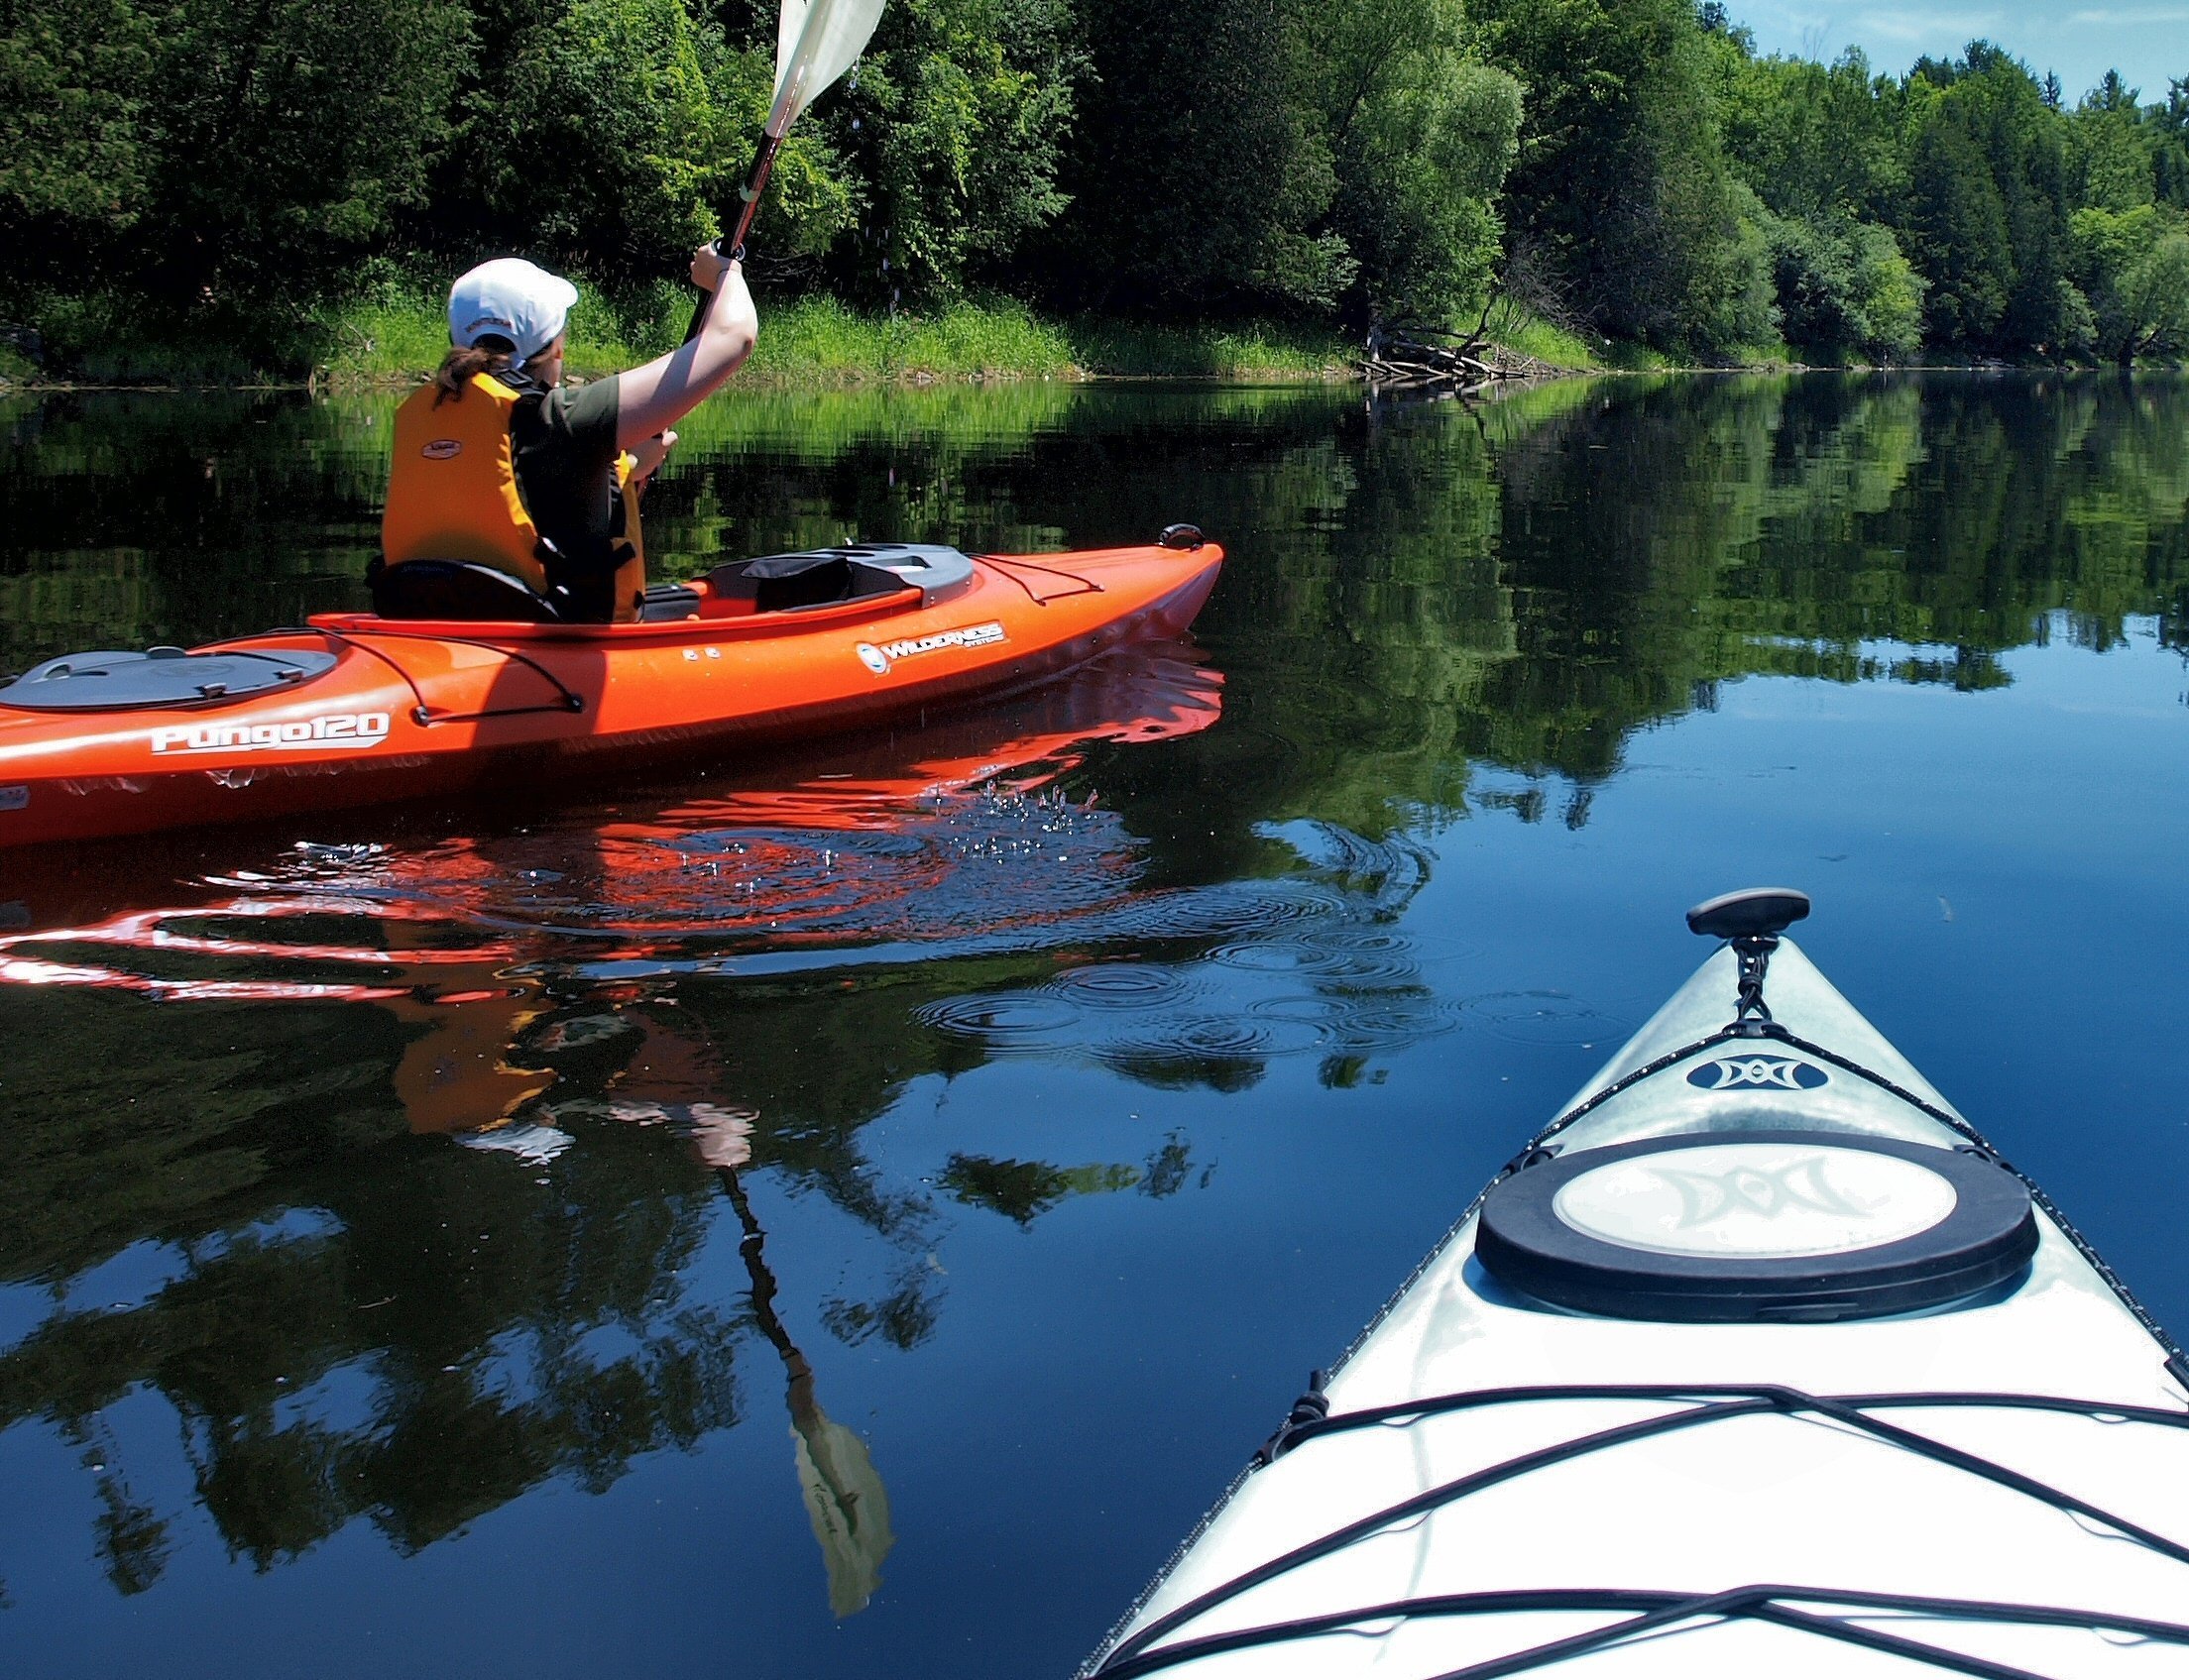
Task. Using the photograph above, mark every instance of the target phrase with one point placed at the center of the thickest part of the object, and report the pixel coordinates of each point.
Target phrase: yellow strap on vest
(453, 491)
(630, 574)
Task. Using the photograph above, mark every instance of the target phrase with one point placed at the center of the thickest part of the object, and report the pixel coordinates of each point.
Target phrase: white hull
(1774, 1495)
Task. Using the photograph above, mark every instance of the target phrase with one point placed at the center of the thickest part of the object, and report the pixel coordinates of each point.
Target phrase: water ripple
(1306, 965)
(1544, 1018)
(1371, 1022)
(1122, 986)
(1005, 1021)
(1221, 1036)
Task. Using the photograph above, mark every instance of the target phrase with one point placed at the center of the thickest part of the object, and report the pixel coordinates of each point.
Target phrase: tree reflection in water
(352, 1323)
(231, 1176)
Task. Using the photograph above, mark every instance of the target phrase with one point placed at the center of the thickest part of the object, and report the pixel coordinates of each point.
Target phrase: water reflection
(400, 1168)
(844, 1499)
(1311, 964)
(346, 1326)
(1523, 585)
(1529, 586)
(753, 974)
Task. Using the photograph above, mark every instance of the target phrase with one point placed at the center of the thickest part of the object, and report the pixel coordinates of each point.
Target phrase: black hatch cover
(162, 676)
(1716, 1227)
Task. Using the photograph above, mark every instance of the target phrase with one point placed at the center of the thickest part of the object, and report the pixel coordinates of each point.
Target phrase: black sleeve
(565, 449)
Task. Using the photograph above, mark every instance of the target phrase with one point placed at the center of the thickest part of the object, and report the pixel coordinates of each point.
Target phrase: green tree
(292, 135)
(1988, 120)
(2028, 147)
(2155, 289)
(957, 127)
(1887, 294)
(1422, 134)
(1812, 140)
(1844, 288)
(1957, 231)
(2114, 147)
(76, 150)
(608, 134)
(2169, 126)
(2133, 266)
(1195, 178)
(1622, 208)
(1630, 166)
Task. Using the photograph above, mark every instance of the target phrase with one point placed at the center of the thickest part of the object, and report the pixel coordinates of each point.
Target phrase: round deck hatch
(110, 681)
(1717, 1227)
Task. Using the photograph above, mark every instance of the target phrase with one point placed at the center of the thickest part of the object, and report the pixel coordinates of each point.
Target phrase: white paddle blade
(816, 41)
(848, 1506)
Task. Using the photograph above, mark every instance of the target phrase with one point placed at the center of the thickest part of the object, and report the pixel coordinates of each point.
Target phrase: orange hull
(419, 708)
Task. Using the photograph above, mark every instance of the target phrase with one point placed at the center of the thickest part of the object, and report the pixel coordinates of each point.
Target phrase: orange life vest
(453, 492)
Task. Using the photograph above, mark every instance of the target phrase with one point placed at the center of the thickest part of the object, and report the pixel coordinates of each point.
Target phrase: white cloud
(1798, 19)
(2130, 17)
(1933, 26)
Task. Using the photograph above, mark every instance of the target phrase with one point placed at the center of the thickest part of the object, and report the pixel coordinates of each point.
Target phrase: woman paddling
(497, 466)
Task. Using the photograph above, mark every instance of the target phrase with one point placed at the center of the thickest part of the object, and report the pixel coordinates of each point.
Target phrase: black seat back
(665, 603)
(455, 589)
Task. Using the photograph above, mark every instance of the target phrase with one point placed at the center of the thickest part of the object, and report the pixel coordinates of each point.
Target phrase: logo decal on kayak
(878, 657)
(337, 729)
(443, 449)
(1755, 1200)
(1758, 1073)
(14, 798)
(1763, 1191)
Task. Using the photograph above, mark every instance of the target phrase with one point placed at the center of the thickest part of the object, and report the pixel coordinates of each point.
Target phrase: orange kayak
(358, 710)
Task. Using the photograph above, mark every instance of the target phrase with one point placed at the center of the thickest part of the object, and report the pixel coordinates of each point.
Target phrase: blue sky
(2147, 40)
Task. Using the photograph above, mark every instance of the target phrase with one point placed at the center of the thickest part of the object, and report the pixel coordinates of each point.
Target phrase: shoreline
(394, 340)
(778, 382)
(365, 385)
(407, 378)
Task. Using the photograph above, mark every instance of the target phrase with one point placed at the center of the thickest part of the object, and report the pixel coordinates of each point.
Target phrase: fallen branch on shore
(1416, 357)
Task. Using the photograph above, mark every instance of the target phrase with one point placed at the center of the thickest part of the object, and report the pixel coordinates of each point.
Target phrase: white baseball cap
(514, 299)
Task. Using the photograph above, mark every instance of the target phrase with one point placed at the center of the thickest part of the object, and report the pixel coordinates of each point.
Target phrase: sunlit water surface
(848, 1213)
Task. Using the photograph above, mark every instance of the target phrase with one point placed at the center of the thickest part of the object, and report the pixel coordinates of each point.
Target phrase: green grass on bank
(812, 340)
(818, 340)
(397, 333)
(401, 332)
(1526, 333)
(1521, 330)
(1262, 350)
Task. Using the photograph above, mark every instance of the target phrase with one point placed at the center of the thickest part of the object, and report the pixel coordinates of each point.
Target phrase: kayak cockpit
(825, 576)
(463, 592)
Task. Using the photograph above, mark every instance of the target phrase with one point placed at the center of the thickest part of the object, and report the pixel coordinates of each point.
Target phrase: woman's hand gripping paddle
(816, 41)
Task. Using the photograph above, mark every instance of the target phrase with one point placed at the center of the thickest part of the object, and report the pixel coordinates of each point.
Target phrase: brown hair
(491, 355)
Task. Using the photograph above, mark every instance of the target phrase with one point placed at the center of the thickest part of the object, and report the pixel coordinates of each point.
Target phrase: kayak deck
(1489, 1484)
(363, 710)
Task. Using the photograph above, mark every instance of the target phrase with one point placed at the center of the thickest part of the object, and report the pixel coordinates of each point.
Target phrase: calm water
(848, 1214)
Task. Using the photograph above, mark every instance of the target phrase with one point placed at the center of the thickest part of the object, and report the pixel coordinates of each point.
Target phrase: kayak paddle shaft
(761, 169)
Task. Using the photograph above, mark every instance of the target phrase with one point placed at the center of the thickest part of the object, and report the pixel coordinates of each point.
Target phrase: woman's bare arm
(653, 397)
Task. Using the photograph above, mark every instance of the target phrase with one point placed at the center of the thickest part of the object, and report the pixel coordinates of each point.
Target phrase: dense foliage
(1626, 167)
